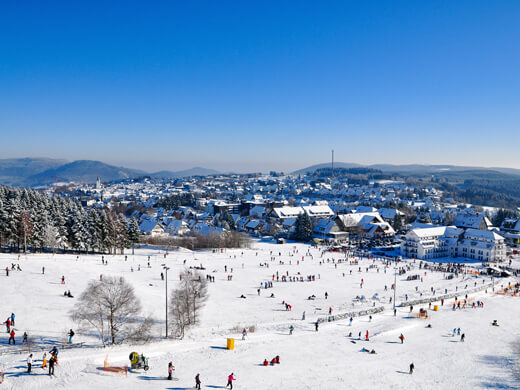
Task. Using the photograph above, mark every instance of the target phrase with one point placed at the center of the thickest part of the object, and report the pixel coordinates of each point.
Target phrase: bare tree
(187, 300)
(110, 307)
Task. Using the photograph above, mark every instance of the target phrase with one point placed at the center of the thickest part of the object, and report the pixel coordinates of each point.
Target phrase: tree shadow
(403, 372)
(215, 387)
(505, 382)
(392, 342)
(151, 378)
(216, 347)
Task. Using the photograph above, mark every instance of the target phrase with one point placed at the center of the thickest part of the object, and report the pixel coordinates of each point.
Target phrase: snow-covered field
(309, 360)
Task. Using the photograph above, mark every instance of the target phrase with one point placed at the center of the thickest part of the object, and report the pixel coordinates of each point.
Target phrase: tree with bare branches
(187, 300)
(111, 307)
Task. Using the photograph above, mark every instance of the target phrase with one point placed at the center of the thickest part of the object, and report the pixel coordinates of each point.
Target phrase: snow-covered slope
(325, 359)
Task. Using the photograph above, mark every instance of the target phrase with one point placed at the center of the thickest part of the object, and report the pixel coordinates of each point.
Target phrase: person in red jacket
(277, 359)
(230, 380)
(266, 363)
(12, 338)
(401, 338)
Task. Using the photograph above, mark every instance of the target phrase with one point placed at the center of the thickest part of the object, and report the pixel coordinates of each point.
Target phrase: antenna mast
(332, 163)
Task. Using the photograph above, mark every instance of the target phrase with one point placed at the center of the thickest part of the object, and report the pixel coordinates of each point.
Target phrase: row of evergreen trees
(32, 219)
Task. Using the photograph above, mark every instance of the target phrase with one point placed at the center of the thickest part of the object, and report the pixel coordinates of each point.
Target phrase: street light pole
(166, 302)
(395, 283)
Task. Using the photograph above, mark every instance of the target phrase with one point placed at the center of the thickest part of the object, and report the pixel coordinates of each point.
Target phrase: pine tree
(133, 233)
(303, 228)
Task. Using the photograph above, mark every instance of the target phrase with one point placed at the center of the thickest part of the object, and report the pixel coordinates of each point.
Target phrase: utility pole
(165, 268)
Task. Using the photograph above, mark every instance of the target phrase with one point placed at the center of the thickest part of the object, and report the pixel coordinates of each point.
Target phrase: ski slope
(325, 359)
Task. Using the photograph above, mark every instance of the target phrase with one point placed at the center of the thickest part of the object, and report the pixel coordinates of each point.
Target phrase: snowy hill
(331, 358)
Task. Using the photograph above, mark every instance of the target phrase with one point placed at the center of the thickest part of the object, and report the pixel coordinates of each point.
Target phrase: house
(449, 241)
(286, 212)
(329, 230)
(467, 220)
(368, 225)
(389, 214)
(151, 227)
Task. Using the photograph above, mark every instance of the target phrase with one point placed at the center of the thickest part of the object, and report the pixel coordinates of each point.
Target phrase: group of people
(275, 360)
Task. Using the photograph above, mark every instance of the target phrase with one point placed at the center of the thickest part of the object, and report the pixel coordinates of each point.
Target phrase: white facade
(447, 241)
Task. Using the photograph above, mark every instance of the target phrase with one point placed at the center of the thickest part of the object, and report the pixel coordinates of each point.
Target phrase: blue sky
(250, 86)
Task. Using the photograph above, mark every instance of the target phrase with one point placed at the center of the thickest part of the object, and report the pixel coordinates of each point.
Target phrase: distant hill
(33, 172)
(312, 168)
(14, 171)
(412, 169)
(197, 171)
(83, 171)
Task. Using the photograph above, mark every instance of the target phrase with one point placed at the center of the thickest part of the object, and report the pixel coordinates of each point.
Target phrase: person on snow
(412, 367)
(277, 359)
(291, 329)
(52, 361)
(170, 371)
(197, 381)
(316, 325)
(8, 325)
(401, 338)
(29, 363)
(273, 361)
(71, 335)
(12, 319)
(230, 380)
(12, 337)
(495, 323)
(44, 360)
(266, 363)
(244, 334)
(303, 316)
(62, 279)
(462, 337)
(54, 352)
(24, 339)
(366, 336)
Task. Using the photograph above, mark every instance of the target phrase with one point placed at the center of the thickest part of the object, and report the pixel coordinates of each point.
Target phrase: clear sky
(257, 85)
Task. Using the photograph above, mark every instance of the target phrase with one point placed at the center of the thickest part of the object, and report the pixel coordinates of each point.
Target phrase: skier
(244, 334)
(12, 337)
(462, 337)
(43, 270)
(29, 363)
(71, 335)
(8, 325)
(12, 319)
(197, 381)
(366, 336)
(412, 367)
(316, 325)
(62, 279)
(291, 329)
(170, 370)
(326, 295)
(401, 338)
(24, 340)
(303, 316)
(350, 321)
(230, 380)
(44, 360)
